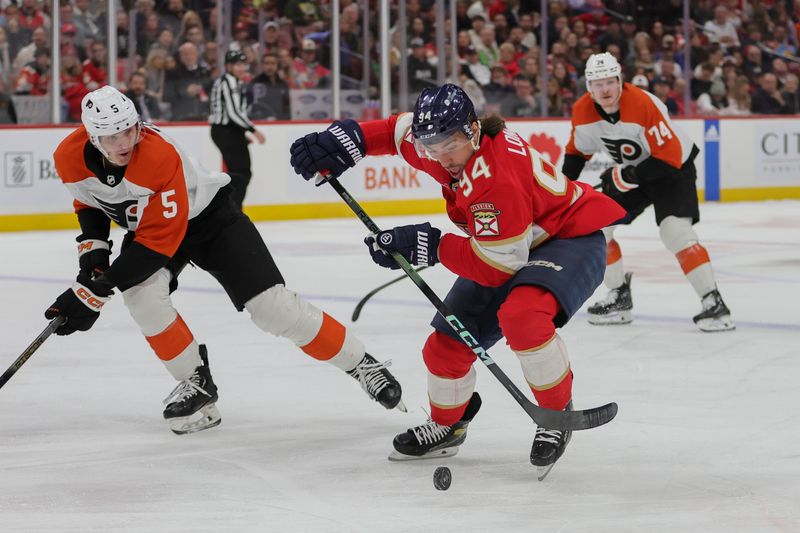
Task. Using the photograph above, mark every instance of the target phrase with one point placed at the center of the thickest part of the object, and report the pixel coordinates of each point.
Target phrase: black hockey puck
(442, 477)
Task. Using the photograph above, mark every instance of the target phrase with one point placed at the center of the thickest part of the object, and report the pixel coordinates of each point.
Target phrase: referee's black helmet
(235, 56)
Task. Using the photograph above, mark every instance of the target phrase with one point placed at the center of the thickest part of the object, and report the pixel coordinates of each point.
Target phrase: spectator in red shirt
(72, 87)
(34, 79)
(308, 73)
(508, 58)
(95, 70)
(30, 16)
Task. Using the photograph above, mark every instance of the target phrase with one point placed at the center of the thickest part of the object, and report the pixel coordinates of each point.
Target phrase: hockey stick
(29, 351)
(370, 294)
(547, 418)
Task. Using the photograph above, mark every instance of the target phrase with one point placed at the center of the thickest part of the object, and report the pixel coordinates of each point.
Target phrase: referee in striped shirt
(229, 123)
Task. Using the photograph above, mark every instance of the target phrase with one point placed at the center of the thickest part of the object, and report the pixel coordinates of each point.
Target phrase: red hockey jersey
(508, 199)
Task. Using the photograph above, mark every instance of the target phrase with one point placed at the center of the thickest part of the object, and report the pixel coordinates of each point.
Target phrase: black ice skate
(548, 446)
(191, 405)
(615, 308)
(378, 382)
(432, 440)
(715, 315)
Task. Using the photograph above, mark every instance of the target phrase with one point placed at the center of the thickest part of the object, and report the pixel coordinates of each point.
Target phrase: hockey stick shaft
(548, 418)
(373, 292)
(30, 350)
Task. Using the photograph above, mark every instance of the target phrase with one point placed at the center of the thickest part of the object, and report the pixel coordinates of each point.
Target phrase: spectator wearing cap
(187, 86)
(641, 81)
(721, 30)
(421, 73)
(241, 37)
(271, 36)
(714, 100)
(230, 124)
(146, 104)
(69, 43)
(476, 70)
(661, 89)
(269, 92)
(67, 14)
(308, 73)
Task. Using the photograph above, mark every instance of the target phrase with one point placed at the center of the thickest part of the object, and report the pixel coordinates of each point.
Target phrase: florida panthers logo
(622, 150)
(486, 219)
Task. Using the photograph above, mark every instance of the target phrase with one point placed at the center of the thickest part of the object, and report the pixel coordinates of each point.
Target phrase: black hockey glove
(331, 152)
(93, 256)
(418, 243)
(80, 304)
(618, 179)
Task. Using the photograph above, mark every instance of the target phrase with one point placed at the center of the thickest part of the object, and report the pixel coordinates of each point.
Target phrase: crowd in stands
(742, 53)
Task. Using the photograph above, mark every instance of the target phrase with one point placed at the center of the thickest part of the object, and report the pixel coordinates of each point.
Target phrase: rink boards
(740, 159)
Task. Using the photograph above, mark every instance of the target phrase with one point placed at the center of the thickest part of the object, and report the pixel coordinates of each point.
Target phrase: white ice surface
(707, 438)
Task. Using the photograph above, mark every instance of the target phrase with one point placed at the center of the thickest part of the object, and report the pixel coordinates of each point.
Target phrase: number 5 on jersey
(170, 206)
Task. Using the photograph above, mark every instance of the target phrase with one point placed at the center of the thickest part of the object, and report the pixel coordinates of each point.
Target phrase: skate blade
(205, 418)
(544, 470)
(711, 325)
(611, 319)
(438, 454)
(401, 406)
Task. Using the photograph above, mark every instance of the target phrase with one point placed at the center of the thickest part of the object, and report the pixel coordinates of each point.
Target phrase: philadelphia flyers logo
(622, 149)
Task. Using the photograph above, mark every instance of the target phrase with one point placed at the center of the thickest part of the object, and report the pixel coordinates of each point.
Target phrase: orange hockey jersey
(508, 199)
(644, 130)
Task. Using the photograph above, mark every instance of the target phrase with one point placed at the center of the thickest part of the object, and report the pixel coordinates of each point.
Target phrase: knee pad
(149, 303)
(446, 357)
(677, 233)
(526, 317)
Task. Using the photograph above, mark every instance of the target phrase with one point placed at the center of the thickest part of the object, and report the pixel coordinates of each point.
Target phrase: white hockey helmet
(600, 67)
(106, 111)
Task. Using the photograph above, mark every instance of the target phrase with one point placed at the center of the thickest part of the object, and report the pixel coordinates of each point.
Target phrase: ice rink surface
(707, 438)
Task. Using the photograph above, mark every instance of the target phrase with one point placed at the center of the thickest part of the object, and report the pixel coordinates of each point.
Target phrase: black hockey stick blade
(30, 350)
(572, 420)
(373, 292)
(547, 418)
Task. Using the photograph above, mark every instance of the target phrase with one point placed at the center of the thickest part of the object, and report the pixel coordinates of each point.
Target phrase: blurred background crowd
(742, 55)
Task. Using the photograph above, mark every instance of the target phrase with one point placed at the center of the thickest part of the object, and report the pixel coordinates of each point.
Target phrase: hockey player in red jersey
(654, 166)
(176, 212)
(532, 255)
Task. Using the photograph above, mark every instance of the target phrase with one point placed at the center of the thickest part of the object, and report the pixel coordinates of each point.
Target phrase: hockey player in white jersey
(176, 212)
(654, 166)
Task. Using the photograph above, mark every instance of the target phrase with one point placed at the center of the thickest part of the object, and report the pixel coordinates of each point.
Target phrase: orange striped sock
(329, 339)
(172, 341)
(692, 257)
